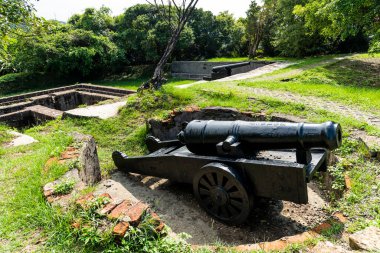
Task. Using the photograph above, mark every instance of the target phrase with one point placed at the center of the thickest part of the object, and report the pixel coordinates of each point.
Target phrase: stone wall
(197, 70)
(35, 107)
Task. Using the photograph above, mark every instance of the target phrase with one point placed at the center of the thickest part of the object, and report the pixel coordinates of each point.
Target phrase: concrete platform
(96, 111)
(20, 139)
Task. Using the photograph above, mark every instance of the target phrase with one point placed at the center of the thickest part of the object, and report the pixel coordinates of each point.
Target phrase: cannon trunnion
(227, 179)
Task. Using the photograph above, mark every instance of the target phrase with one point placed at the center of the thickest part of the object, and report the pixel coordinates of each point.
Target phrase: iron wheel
(220, 191)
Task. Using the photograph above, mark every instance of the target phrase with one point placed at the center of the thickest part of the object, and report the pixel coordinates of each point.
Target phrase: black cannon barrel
(202, 137)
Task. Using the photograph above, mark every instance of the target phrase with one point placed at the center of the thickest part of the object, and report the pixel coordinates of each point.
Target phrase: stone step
(48, 113)
(98, 88)
(98, 95)
(14, 107)
(110, 93)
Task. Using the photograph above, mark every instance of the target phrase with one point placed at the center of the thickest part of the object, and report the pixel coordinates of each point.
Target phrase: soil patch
(175, 203)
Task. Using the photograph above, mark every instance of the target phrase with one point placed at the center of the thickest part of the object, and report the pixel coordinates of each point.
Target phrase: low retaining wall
(197, 70)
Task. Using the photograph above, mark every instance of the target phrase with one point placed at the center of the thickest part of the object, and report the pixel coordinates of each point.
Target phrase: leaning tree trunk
(158, 77)
(253, 50)
(184, 14)
(255, 43)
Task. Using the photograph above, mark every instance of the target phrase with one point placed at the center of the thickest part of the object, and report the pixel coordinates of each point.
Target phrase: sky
(63, 9)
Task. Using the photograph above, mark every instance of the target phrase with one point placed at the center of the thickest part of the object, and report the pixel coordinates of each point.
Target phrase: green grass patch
(341, 82)
(134, 84)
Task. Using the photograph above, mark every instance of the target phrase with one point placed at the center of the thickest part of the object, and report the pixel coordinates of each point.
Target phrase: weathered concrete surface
(20, 139)
(70, 176)
(367, 239)
(97, 111)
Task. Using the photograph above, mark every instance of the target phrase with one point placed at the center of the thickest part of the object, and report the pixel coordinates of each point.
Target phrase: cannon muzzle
(243, 137)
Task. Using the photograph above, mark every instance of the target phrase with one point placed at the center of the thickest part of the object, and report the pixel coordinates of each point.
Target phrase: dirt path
(298, 71)
(315, 102)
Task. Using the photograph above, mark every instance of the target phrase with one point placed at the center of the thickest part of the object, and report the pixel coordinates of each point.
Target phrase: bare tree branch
(183, 13)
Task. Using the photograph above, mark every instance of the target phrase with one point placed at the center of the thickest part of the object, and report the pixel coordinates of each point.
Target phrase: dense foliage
(93, 44)
(14, 13)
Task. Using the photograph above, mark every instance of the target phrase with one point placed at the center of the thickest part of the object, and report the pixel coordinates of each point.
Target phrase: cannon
(231, 164)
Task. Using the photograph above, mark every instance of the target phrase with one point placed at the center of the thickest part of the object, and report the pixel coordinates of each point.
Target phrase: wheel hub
(219, 196)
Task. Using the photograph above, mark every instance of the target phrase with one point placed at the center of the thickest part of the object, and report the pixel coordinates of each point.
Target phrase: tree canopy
(14, 13)
(95, 43)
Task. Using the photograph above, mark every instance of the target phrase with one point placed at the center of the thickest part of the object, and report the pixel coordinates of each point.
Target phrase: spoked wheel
(219, 190)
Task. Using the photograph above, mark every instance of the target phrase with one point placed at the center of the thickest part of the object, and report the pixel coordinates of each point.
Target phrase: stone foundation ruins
(33, 108)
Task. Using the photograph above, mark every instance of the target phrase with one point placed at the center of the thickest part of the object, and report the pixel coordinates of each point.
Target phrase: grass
(350, 82)
(128, 83)
(134, 84)
(27, 217)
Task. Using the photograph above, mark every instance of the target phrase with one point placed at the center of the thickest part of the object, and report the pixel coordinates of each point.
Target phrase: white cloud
(63, 9)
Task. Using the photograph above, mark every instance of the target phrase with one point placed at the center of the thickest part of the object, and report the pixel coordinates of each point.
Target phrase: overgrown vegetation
(95, 44)
(24, 209)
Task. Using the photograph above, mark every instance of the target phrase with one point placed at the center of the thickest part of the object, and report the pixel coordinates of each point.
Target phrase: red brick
(82, 201)
(107, 209)
(105, 195)
(52, 198)
(135, 212)
(322, 227)
(120, 210)
(347, 181)
(71, 149)
(340, 217)
(76, 225)
(70, 153)
(49, 163)
(158, 222)
(121, 228)
(48, 192)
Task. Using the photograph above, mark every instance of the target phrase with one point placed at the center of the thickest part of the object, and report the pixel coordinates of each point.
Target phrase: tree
(341, 19)
(291, 38)
(176, 24)
(14, 13)
(99, 21)
(258, 18)
(61, 51)
(204, 26)
(143, 36)
(15, 16)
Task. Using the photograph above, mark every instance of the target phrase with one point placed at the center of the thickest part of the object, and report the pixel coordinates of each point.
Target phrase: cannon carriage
(231, 163)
